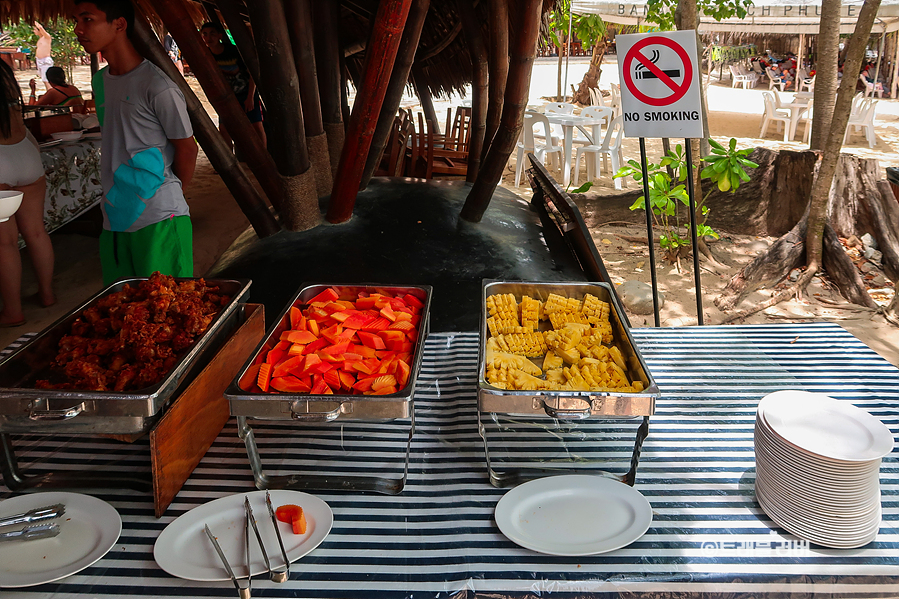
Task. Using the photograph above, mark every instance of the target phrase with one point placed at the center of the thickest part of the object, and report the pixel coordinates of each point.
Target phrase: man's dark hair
(217, 26)
(114, 9)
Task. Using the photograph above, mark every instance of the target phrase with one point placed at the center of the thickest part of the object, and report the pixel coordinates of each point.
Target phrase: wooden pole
(222, 159)
(420, 82)
(498, 63)
(895, 79)
(95, 64)
(243, 38)
(379, 57)
(328, 69)
(221, 96)
(301, 31)
(471, 26)
(521, 61)
(280, 86)
(398, 78)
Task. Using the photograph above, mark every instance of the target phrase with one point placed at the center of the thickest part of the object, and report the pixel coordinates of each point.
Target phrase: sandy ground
(734, 113)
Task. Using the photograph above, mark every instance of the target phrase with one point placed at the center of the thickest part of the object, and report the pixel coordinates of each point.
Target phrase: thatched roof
(442, 54)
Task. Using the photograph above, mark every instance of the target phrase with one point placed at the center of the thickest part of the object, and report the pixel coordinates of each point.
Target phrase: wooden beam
(221, 96)
(279, 85)
(472, 28)
(522, 53)
(422, 88)
(328, 68)
(220, 156)
(498, 64)
(243, 37)
(398, 79)
(385, 41)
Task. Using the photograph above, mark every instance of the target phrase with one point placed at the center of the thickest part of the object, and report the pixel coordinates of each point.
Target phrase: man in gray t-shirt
(148, 152)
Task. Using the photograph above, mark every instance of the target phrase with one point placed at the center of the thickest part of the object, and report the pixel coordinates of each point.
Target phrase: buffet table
(439, 538)
(73, 181)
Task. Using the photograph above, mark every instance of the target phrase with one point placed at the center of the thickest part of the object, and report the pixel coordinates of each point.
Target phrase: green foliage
(583, 188)
(588, 29)
(66, 51)
(662, 11)
(726, 168)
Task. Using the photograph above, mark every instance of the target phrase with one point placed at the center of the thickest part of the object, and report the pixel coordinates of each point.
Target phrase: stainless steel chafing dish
(567, 404)
(24, 408)
(305, 407)
(328, 410)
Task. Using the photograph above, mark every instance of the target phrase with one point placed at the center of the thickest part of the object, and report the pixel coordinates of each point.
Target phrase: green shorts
(166, 246)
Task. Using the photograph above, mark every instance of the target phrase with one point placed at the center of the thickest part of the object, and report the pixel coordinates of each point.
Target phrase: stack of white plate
(818, 467)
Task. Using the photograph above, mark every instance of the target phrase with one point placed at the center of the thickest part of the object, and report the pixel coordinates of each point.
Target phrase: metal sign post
(660, 98)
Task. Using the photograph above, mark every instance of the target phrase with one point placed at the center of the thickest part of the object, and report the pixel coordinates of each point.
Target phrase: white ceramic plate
(573, 515)
(184, 550)
(825, 426)
(88, 530)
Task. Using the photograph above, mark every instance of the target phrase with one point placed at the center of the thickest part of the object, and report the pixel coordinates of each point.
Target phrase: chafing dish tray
(24, 408)
(567, 404)
(305, 407)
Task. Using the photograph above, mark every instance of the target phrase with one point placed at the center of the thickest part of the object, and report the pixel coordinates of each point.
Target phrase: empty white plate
(573, 515)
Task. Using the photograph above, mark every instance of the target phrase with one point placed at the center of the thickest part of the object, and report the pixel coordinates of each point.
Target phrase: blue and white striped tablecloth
(439, 538)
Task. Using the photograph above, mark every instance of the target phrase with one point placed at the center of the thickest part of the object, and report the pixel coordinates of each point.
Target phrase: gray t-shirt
(139, 112)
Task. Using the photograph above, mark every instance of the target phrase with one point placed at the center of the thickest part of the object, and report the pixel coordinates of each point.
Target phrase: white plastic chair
(753, 76)
(593, 112)
(871, 88)
(772, 114)
(778, 102)
(774, 79)
(737, 78)
(596, 98)
(558, 108)
(610, 149)
(528, 142)
(806, 118)
(864, 121)
(616, 99)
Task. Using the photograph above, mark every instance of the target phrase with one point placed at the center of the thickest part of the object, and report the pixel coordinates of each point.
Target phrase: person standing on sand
(42, 53)
(21, 170)
(148, 154)
(238, 76)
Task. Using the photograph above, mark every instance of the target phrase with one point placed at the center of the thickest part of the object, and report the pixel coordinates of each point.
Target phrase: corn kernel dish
(577, 353)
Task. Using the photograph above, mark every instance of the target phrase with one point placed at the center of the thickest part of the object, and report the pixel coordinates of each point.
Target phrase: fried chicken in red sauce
(130, 339)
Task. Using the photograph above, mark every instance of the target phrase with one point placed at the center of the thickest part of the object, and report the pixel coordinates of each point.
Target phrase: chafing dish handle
(566, 413)
(64, 414)
(314, 416)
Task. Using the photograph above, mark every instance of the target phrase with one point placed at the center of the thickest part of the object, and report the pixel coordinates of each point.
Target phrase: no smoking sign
(659, 77)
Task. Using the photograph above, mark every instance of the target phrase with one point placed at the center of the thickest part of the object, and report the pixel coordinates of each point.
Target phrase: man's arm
(185, 159)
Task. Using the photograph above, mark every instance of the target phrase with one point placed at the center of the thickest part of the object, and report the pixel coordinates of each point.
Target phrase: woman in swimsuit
(21, 170)
(60, 92)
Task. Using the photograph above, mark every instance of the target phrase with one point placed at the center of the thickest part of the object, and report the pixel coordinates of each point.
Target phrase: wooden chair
(458, 130)
(430, 160)
(394, 156)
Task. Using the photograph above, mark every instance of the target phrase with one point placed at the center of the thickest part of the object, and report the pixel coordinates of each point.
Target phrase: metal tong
(36, 515)
(278, 575)
(242, 592)
(31, 533)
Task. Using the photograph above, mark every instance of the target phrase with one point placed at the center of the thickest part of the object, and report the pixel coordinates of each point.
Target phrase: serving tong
(275, 575)
(32, 533)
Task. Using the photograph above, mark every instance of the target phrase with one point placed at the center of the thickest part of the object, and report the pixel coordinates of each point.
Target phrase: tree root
(794, 290)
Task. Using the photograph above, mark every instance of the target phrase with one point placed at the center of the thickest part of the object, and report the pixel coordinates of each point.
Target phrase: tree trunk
(834, 140)
(300, 28)
(398, 79)
(379, 58)
(220, 156)
(521, 62)
(826, 73)
(559, 90)
(498, 68)
(280, 86)
(594, 71)
(472, 29)
(423, 91)
(326, 16)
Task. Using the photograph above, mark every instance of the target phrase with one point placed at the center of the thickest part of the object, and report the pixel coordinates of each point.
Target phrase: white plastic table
(568, 122)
